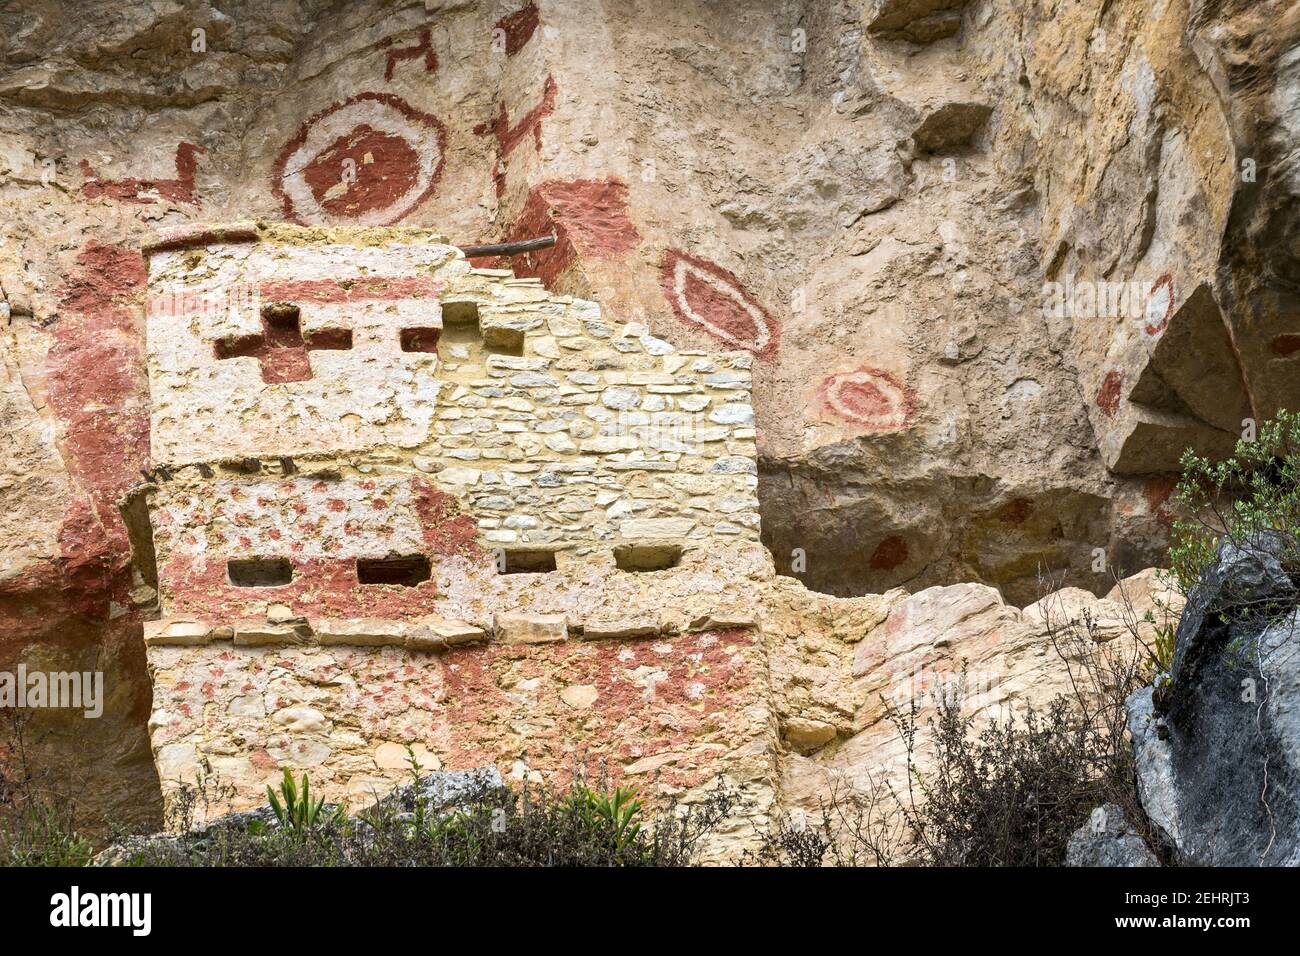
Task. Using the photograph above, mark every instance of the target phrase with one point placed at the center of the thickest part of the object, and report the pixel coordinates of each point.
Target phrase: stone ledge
(433, 633)
(429, 634)
(202, 234)
(724, 620)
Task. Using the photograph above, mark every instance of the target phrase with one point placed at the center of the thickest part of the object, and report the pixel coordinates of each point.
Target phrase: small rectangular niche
(282, 316)
(420, 339)
(503, 342)
(329, 339)
(406, 572)
(525, 561)
(259, 572)
(647, 557)
(460, 325)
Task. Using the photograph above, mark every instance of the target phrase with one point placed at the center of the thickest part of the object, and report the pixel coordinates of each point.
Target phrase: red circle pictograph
(704, 294)
(869, 398)
(370, 160)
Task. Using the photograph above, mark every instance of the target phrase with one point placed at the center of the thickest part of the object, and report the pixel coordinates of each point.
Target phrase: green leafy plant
(1162, 648)
(616, 813)
(1254, 492)
(297, 811)
(486, 825)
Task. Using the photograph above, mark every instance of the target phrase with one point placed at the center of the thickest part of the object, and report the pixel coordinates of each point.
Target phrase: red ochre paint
(394, 165)
(96, 379)
(323, 587)
(869, 398)
(178, 190)
(424, 48)
(1158, 491)
(508, 137)
(1015, 511)
(335, 291)
(97, 390)
(328, 586)
(280, 350)
(588, 217)
(696, 713)
(519, 27)
(393, 169)
(1287, 344)
(1108, 395)
(447, 531)
(889, 554)
(703, 294)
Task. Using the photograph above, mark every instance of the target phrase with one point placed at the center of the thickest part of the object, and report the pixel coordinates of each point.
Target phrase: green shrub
(491, 826)
(1254, 492)
(296, 811)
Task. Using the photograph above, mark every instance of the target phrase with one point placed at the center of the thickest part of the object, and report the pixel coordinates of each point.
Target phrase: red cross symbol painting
(369, 160)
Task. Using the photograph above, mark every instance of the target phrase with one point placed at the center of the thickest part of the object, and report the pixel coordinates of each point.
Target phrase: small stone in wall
(804, 735)
(395, 756)
(530, 628)
(579, 696)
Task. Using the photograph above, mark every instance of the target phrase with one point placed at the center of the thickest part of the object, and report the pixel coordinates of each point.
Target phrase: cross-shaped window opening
(280, 348)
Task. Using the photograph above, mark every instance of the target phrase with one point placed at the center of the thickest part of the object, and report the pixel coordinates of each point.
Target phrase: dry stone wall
(327, 399)
(366, 452)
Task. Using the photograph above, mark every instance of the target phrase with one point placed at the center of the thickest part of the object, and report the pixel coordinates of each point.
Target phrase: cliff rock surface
(997, 263)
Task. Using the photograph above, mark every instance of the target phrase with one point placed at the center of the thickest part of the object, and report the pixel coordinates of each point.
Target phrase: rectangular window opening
(139, 532)
(259, 572)
(503, 342)
(282, 316)
(330, 339)
(420, 340)
(647, 557)
(406, 572)
(460, 323)
(525, 561)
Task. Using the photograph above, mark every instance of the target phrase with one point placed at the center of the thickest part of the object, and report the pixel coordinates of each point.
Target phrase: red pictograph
(704, 294)
(1108, 395)
(423, 49)
(179, 190)
(370, 160)
(870, 398)
(516, 29)
(509, 136)
(588, 217)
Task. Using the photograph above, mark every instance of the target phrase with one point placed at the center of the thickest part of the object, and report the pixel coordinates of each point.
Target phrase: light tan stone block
(177, 632)
(513, 628)
(362, 632)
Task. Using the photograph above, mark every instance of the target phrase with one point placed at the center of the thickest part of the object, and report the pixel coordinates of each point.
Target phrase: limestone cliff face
(997, 262)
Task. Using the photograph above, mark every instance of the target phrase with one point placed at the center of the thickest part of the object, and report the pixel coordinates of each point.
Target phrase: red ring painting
(704, 294)
(369, 160)
(868, 398)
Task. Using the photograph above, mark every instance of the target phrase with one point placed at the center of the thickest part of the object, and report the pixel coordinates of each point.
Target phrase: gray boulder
(1107, 839)
(1218, 742)
(443, 789)
(124, 851)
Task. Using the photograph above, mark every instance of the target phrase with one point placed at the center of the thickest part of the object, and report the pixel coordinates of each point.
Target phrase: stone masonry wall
(366, 453)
